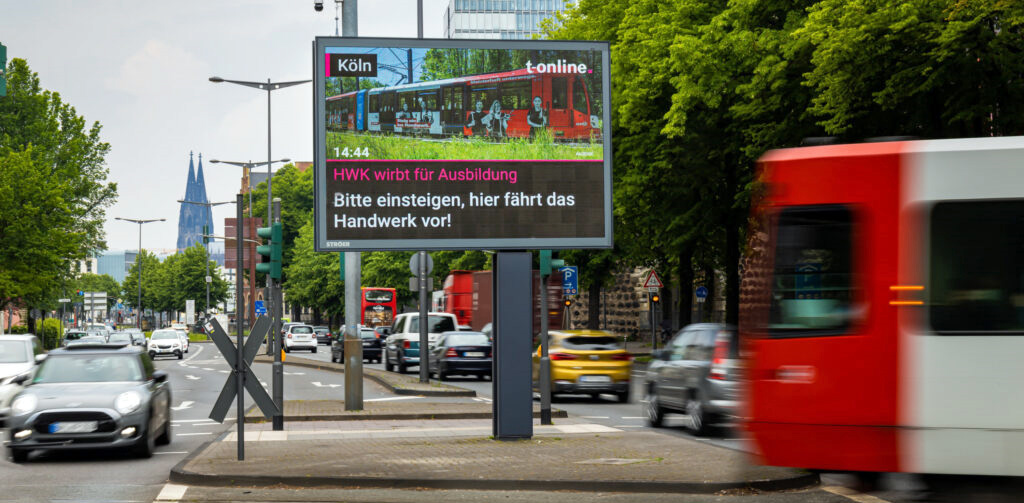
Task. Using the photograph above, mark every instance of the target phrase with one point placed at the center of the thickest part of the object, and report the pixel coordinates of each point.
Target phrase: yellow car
(586, 362)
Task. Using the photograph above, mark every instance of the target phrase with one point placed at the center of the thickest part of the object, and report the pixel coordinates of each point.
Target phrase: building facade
(499, 19)
(116, 264)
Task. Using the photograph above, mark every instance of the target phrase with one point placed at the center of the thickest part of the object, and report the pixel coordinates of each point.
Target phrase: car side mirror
(21, 379)
(40, 359)
(160, 376)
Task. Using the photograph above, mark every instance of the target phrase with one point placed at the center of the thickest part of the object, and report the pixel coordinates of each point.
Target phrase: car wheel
(165, 437)
(144, 447)
(623, 396)
(699, 420)
(481, 377)
(654, 411)
(313, 350)
(441, 374)
(401, 367)
(19, 455)
(387, 363)
(334, 359)
(287, 350)
(152, 355)
(180, 356)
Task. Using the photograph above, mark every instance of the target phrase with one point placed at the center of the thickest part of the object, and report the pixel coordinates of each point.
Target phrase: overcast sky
(140, 68)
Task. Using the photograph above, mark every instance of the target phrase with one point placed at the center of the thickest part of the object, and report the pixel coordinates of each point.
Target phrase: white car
(299, 337)
(165, 342)
(183, 335)
(19, 355)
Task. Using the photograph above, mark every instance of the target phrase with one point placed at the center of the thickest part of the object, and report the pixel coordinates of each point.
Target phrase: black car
(91, 396)
(461, 353)
(372, 345)
(323, 335)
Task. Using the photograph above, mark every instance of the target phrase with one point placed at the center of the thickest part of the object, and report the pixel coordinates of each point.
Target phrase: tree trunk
(685, 305)
(732, 254)
(594, 306)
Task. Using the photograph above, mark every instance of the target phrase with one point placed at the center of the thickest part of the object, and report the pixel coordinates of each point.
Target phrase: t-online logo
(558, 67)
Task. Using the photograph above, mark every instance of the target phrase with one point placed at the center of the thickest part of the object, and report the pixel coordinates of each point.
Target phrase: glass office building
(499, 19)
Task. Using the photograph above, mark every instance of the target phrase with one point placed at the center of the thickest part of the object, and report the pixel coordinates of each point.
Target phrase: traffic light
(3, 70)
(270, 260)
(568, 302)
(547, 263)
(206, 234)
(655, 298)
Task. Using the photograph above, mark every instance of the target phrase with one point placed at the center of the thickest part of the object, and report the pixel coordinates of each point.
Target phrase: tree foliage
(90, 282)
(167, 285)
(53, 189)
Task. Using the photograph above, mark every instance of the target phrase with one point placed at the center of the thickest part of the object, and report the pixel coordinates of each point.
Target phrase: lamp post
(138, 260)
(206, 307)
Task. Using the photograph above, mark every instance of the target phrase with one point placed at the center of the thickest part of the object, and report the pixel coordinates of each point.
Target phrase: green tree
(183, 277)
(53, 192)
(295, 188)
(151, 282)
(90, 282)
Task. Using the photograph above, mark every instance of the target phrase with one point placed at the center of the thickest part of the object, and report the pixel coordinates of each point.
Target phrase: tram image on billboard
(466, 103)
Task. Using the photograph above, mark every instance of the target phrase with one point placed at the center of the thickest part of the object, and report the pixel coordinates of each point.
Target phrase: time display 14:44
(351, 152)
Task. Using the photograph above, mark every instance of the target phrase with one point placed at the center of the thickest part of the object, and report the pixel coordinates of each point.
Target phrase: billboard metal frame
(321, 244)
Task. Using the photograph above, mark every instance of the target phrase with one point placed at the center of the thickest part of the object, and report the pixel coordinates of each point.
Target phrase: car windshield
(89, 368)
(302, 330)
(437, 324)
(467, 340)
(591, 343)
(367, 334)
(119, 338)
(74, 336)
(321, 330)
(13, 352)
(165, 335)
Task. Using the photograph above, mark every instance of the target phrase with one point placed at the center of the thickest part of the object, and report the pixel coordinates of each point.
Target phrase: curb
(182, 476)
(372, 375)
(555, 413)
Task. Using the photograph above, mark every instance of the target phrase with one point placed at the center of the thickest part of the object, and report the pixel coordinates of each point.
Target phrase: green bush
(49, 332)
(18, 329)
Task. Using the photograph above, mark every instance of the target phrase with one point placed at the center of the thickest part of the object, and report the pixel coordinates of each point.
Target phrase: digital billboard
(461, 144)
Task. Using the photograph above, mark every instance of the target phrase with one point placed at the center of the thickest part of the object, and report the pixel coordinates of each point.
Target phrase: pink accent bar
(465, 160)
(327, 64)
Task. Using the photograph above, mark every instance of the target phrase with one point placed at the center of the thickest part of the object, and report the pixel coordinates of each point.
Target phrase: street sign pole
(544, 381)
(274, 338)
(240, 323)
(424, 318)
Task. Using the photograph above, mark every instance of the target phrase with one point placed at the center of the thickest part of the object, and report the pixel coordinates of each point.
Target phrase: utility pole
(275, 339)
(353, 260)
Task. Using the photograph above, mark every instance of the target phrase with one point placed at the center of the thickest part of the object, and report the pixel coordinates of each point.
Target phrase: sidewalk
(334, 410)
(572, 455)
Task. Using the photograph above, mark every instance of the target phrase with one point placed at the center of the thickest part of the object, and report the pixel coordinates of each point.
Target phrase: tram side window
(484, 97)
(812, 282)
(976, 267)
(374, 103)
(579, 97)
(559, 92)
(515, 95)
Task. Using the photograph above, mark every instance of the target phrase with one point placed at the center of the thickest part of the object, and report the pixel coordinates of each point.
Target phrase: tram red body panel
(831, 402)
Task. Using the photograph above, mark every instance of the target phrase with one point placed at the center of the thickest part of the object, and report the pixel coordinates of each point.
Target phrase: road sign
(261, 308)
(63, 300)
(653, 281)
(209, 279)
(701, 293)
(570, 280)
(230, 353)
(414, 264)
(653, 289)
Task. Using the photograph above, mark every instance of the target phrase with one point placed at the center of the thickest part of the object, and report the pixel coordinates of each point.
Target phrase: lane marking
(224, 371)
(294, 373)
(850, 494)
(594, 417)
(393, 398)
(191, 420)
(191, 377)
(198, 350)
(629, 426)
(318, 385)
(634, 417)
(187, 404)
(204, 368)
(172, 452)
(192, 434)
(171, 492)
(206, 424)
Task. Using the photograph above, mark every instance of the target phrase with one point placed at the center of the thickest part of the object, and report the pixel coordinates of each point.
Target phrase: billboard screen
(461, 144)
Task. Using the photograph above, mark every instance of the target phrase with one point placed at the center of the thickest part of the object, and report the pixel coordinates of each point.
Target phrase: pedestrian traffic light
(547, 263)
(270, 260)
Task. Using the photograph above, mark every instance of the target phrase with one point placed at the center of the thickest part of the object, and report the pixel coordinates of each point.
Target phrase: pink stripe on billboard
(327, 64)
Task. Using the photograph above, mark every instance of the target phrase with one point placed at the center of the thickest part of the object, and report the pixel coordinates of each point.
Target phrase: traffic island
(454, 455)
(334, 410)
(399, 384)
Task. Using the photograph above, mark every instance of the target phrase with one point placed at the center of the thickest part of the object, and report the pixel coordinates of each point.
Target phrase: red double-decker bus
(378, 306)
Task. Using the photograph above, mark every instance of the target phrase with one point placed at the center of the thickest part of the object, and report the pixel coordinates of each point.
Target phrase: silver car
(697, 374)
(19, 355)
(92, 396)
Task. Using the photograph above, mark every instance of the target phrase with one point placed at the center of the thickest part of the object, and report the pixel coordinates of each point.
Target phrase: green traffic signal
(270, 254)
(548, 264)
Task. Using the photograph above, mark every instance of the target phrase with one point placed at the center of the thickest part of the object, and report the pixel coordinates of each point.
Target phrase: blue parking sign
(260, 308)
(570, 280)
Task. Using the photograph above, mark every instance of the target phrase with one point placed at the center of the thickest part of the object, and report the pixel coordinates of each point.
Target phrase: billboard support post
(512, 305)
(424, 318)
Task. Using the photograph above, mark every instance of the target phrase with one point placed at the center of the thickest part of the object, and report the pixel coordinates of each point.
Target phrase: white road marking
(204, 368)
(199, 349)
(850, 494)
(318, 385)
(172, 452)
(634, 417)
(191, 377)
(294, 373)
(224, 371)
(171, 492)
(184, 405)
(208, 423)
(481, 399)
(594, 417)
(629, 426)
(192, 434)
(393, 398)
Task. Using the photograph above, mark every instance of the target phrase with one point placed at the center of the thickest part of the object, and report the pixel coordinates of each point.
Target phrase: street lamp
(206, 307)
(138, 260)
(247, 166)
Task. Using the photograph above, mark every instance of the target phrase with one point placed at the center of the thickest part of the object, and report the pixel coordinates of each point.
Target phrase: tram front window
(976, 267)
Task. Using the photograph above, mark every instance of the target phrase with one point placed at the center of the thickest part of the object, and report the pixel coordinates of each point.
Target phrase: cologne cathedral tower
(192, 217)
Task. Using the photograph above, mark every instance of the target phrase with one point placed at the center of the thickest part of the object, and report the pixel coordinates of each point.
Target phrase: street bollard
(353, 347)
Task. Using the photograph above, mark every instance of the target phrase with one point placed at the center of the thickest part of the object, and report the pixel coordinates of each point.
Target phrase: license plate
(367, 344)
(73, 427)
(590, 379)
(474, 354)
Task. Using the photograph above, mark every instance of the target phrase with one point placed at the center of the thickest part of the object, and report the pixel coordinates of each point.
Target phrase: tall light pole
(138, 260)
(207, 279)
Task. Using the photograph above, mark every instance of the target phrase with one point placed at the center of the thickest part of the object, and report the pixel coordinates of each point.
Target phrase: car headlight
(127, 402)
(24, 404)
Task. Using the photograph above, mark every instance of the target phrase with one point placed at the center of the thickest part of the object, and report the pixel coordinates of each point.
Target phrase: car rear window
(89, 368)
(591, 343)
(436, 324)
(74, 336)
(367, 334)
(14, 352)
(467, 340)
(302, 330)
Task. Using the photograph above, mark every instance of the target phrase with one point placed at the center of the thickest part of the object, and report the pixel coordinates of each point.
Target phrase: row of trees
(167, 285)
(53, 191)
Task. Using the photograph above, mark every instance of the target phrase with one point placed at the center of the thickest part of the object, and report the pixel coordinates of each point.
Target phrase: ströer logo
(351, 65)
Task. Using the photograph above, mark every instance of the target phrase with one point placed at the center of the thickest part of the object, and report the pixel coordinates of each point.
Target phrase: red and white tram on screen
(882, 307)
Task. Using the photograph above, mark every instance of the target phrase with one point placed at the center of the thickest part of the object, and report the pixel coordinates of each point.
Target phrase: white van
(401, 348)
